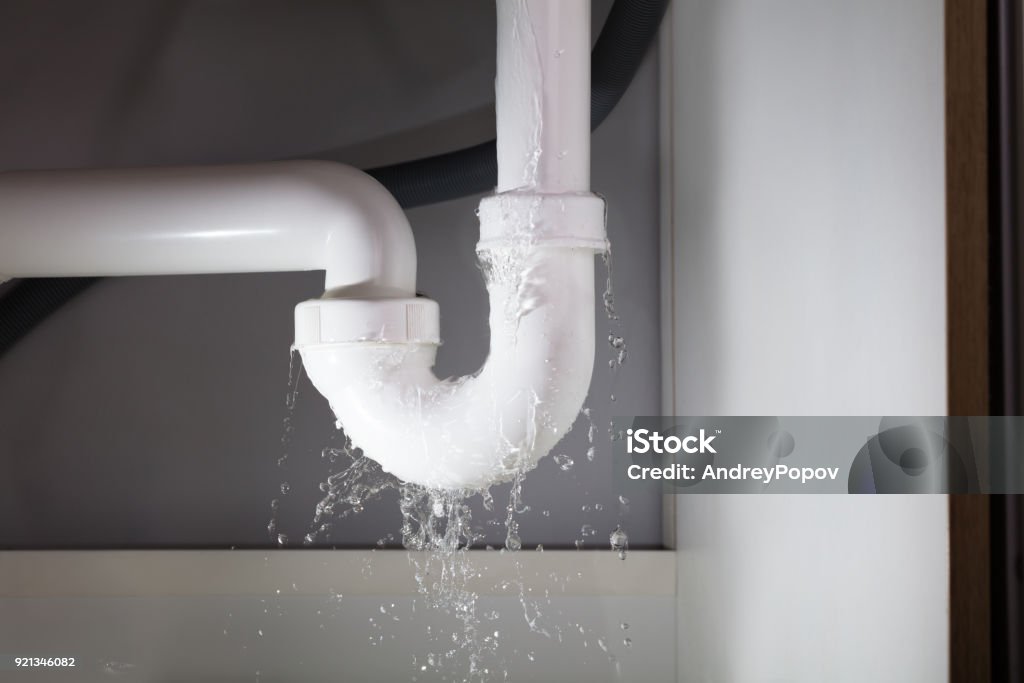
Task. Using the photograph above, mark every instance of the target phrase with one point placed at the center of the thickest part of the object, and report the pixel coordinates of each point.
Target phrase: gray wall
(809, 221)
(150, 412)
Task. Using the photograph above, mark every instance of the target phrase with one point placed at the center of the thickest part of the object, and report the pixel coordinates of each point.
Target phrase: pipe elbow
(366, 245)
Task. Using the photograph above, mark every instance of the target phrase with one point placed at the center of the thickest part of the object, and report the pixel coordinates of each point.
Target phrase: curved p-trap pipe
(537, 254)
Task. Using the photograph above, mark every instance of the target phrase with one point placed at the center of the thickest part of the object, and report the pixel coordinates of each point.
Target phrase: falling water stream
(439, 531)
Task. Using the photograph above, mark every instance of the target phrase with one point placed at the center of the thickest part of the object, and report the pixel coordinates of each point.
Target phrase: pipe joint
(380, 321)
(575, 219)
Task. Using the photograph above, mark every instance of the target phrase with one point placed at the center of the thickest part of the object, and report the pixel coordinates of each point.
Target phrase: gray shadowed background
(150, 412)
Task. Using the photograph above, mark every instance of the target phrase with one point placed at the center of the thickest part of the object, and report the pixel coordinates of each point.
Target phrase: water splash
(608, 297)
(618, 346)
(347, 490)
(438, 527)
(515, 506)
(619, 541)
(439, 523)
(291, 396)
(591, 433)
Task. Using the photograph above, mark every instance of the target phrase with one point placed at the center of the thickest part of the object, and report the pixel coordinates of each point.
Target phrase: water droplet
(624, 626)
(282, 539)
(564, 462)
(285, 488)
(512, 543)
(540, 548)
(628, 642)
(608, 297)
(259, 632)
(590, 454)
(598, 507)
(619, 542)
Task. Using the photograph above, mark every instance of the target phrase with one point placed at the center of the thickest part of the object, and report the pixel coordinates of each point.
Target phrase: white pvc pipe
(369, 345)
(539, 235)
(542, 95)
(282, 216)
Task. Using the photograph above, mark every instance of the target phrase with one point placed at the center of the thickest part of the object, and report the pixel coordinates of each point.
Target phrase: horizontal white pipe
(542, 95)
(281, 216)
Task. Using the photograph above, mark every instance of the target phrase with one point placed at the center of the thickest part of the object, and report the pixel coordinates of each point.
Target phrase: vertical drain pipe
(543, 95)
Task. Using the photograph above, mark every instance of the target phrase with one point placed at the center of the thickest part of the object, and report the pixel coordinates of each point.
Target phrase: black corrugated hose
(627, 34)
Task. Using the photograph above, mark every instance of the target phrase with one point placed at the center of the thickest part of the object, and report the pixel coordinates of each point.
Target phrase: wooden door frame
(982, 105)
